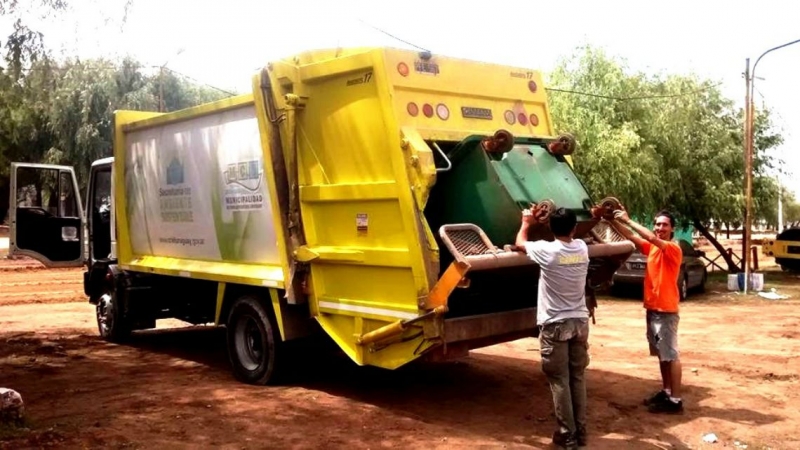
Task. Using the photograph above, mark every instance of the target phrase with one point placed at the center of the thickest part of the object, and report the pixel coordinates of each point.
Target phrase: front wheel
(254, 346)
(111, 321)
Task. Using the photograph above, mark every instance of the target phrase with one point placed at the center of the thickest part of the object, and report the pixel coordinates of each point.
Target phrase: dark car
(693, 273)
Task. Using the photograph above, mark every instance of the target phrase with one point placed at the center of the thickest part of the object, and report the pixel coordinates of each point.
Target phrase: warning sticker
(362, 223)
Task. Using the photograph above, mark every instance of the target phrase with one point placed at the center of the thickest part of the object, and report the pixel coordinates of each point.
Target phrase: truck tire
(683, 287)
(111, 322)
(254, 345)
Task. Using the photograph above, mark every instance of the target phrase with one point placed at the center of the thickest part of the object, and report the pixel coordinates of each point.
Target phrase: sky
(224, 42)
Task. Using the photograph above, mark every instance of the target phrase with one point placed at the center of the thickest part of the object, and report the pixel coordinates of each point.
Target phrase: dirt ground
(174, 389)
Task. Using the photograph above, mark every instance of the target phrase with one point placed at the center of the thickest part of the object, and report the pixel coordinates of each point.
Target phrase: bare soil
(172, 388)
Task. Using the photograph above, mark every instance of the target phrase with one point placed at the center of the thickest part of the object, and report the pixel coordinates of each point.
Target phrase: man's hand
(622, 216)
(527, 216)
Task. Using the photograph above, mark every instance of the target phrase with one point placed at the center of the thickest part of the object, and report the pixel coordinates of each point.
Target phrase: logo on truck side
(175, 172)
(243, 185)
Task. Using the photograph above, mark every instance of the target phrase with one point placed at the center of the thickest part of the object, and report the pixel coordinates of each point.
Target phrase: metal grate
(467, 242)
(607, 233)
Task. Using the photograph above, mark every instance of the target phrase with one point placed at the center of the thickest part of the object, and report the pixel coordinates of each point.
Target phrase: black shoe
(565, 440)
(666, 407)
(658, 397)
(580, 435)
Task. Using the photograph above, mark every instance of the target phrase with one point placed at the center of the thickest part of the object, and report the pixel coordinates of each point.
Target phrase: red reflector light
(402, 68)
(532, 86)
(511, 119)
(523, 119)
(534, 120)
(412, 109)
(442, 111)
(427, 110)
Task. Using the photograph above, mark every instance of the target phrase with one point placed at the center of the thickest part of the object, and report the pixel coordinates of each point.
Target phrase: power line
(198, 81)
(393, 36)
(643, 97)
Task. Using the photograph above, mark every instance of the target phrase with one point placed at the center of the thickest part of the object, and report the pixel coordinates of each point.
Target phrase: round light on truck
(511, 118)
(402, 68)
(534, 120)
(442, 111)
(523, 118)
(427, 110)
(532, 86)
(412, 109)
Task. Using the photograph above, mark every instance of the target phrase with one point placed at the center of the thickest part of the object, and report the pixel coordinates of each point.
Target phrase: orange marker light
(402, 68)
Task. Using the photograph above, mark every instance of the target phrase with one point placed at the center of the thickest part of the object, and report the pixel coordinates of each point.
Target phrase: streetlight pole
(750, 79)
(161, 80)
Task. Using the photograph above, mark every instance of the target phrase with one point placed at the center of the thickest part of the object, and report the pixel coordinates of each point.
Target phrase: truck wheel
(254, 344)
(111, 323)
(683, 287)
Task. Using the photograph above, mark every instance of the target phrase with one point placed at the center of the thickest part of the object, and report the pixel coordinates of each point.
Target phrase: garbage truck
(370, 194)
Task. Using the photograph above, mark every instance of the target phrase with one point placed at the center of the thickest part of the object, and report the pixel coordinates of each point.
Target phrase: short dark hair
(668, 215)
(562, 222)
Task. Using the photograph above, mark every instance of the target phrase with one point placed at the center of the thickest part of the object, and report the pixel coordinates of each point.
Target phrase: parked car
(693, 273)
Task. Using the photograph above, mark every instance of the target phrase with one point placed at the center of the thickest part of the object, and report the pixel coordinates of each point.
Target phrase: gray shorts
(662, 334)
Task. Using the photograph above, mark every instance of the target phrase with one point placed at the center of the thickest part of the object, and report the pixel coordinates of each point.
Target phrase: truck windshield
(531, 173)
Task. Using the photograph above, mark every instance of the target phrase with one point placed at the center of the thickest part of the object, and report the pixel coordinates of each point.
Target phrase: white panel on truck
(196, 189)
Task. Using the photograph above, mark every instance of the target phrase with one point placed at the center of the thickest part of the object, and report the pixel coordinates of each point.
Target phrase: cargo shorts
(662, 335)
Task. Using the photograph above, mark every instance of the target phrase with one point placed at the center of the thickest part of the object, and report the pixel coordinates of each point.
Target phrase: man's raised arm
(621, 217)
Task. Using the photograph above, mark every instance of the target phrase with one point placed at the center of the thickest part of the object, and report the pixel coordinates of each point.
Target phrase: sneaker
(666, 407)
(658, 397)
(565, 440)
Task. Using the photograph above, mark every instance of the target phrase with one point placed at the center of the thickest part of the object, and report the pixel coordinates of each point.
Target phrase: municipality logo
(247, 174)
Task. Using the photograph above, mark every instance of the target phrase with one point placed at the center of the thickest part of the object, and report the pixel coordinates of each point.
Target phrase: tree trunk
(732, 267)
(727, 231)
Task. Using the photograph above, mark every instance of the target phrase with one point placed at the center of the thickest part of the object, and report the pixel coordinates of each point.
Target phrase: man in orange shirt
(661, 297)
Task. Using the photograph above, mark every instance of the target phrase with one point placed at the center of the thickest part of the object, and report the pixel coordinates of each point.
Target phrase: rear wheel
(683, 287)
(254, 346)
(702, 287)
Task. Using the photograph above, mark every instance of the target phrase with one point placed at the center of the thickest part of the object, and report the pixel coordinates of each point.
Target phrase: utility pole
(161, 105)
(780, 207)
(750, 77)
(748, 166)
(161, 89)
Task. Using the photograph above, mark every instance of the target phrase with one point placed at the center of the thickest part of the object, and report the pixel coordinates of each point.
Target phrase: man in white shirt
(563, 320)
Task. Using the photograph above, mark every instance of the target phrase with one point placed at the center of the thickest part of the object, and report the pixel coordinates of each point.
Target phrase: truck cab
(52, 224)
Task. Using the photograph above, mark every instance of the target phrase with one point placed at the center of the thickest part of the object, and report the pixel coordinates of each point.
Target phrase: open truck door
(46, 215)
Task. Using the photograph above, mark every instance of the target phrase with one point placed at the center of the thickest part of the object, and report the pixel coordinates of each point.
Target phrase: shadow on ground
(170, 387)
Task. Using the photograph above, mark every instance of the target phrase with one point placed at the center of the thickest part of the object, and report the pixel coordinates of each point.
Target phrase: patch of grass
(10, 431)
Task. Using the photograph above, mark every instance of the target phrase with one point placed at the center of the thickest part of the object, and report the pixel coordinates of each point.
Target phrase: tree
(656, 141)
(61, 113)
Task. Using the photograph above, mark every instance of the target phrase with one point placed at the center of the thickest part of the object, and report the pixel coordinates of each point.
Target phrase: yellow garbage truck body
(369, 193)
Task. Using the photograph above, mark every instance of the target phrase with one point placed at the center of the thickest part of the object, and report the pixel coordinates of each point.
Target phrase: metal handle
(449, 164)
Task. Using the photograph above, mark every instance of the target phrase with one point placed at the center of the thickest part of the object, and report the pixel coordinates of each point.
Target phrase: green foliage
(661, 141)
(61, 113)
